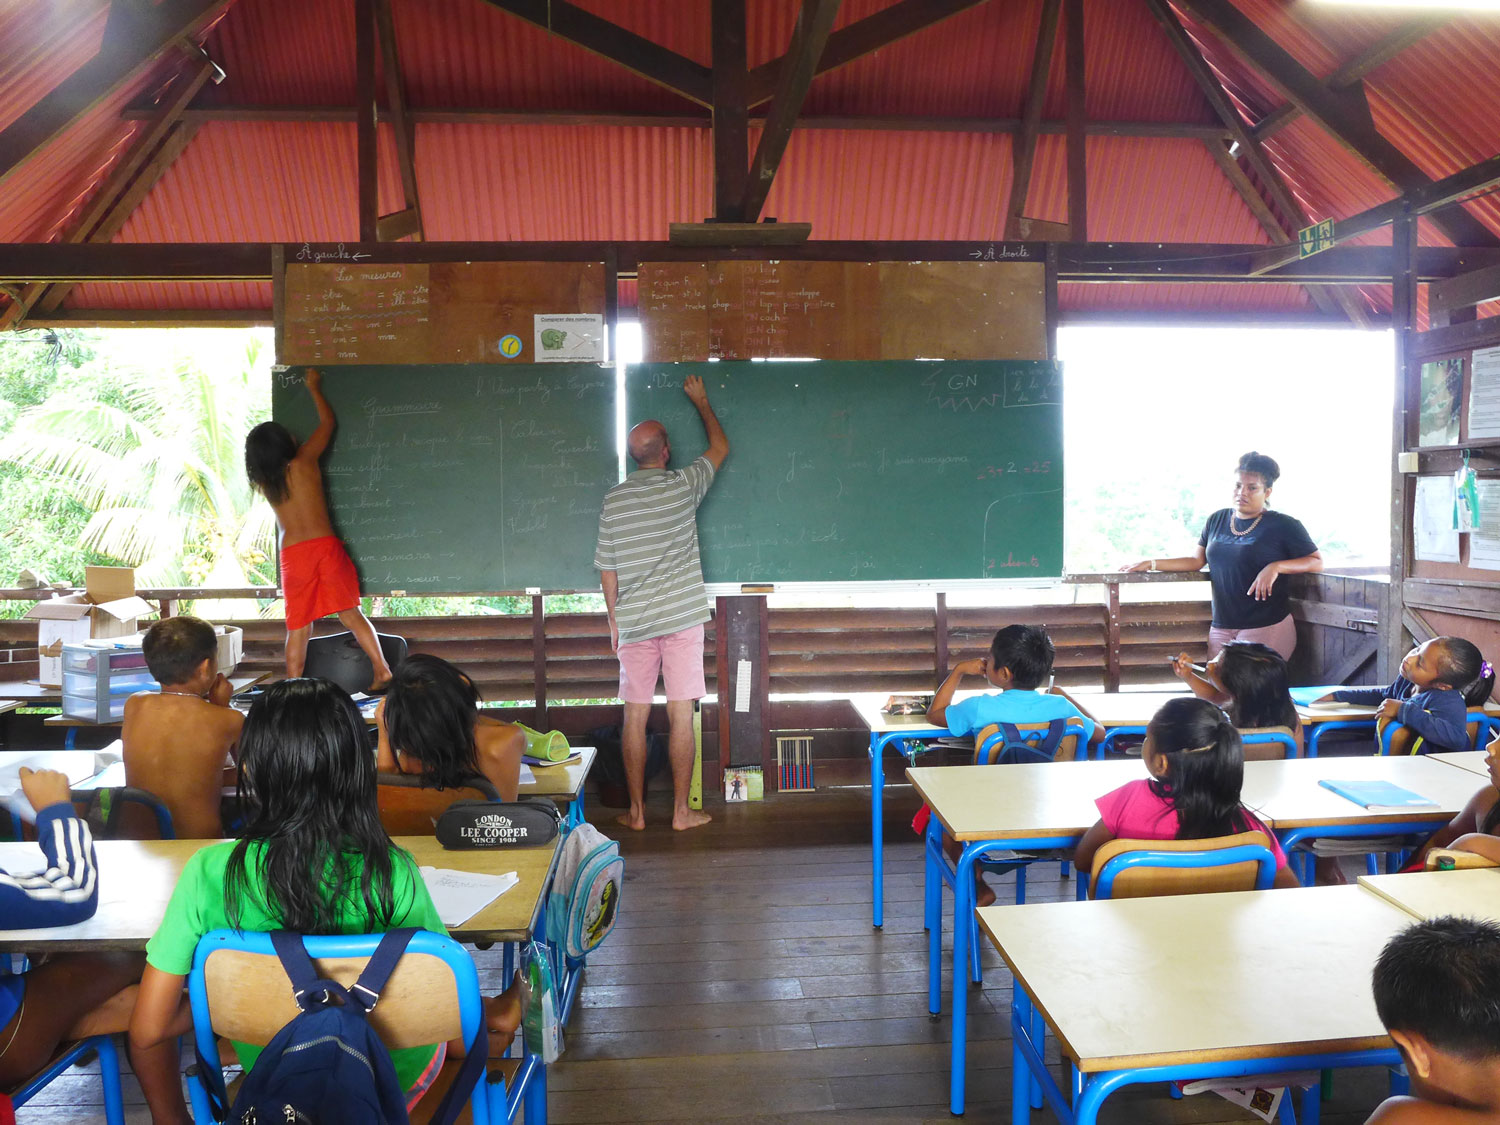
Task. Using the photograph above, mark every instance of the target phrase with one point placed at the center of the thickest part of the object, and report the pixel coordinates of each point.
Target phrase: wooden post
(722, 691)
(742, 628)
(731, 82)
(1403, 320)
(1112, 637)
(364, 61)
(539, 658)
(1078, 193)
(940, 637)
(1049, 275)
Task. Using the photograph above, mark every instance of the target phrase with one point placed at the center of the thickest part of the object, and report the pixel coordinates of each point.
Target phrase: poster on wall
(1484, 540)
(1484, 395)
(1442, 390)
(1434, 538)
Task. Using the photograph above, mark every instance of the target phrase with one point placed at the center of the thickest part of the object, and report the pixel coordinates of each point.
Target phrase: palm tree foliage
(158, 461)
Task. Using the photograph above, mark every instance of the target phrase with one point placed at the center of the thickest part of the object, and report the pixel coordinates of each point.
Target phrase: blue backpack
(327, 1066)
(1011, 746)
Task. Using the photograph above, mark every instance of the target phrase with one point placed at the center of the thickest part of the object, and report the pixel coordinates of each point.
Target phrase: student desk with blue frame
(1190, 986)
(1471, 761)
(1471, 893)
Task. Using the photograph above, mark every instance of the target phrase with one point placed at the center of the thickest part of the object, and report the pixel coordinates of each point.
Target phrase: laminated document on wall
(1484, 394)
(742, 686)
(1434, 538)
(1484, 540)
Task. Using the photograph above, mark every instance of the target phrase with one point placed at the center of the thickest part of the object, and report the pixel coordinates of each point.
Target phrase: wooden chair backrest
(409, 808)
(1460, 860)
(1403, 740)
(250, 998)
(1269, 751)
(1067, 748)
(1147, 882)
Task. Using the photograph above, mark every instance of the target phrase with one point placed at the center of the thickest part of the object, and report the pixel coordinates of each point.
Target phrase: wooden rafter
(913, 123)
(1278, 226)
(635, 53)
(731, 111)
(863, 37)
(1023, 150)
(1078, 189)
(120, 59)
(154, 148)
(1343, 114)
(800, 63)
(1376, 55)
(366, 137)
(409, 220)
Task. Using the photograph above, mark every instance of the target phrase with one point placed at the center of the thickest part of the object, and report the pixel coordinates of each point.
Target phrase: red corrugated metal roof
(296, 181)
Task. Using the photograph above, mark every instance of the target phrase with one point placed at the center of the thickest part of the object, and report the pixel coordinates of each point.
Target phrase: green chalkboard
(465, 478)
(899, 470)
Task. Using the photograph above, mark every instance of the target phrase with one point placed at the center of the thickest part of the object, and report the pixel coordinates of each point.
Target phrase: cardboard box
(108, 607)
(231, 646)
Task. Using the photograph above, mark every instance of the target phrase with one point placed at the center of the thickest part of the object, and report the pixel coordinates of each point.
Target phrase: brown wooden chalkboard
(440, 312)
(842, 310)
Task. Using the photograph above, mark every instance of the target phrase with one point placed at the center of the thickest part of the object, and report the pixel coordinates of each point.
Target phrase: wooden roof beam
(864, 37)
(1291, 217)
(1078, 188)
(122, 57)
(799, 64)
(637, 54)
(1023, 151)
(409, 219)
(731, 111)
(1344, 115)
(1376, 55)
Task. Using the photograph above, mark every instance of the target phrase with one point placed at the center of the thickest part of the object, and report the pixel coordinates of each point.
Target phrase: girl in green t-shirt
(313, 858)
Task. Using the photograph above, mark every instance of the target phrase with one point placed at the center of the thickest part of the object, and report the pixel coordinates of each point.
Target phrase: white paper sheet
(527, 777)
(1484, 394)
(1434, 537)
(742, 686)
(1484, 541)
(459, 895)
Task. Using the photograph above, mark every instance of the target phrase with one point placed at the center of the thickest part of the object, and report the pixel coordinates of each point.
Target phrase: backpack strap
(371, 983)
(468, 1076)
(1049, 742)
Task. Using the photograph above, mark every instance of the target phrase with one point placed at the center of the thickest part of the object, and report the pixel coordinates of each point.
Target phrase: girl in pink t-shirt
(1197, 766)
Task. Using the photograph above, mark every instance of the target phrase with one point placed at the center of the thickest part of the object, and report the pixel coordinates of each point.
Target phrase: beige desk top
(1330, 712)
(1016, 802)
(1473, 893)
(561, 782)
(1199, 978)
(238, 683)
(1287, 793)
(30, 692)
(136, 880)
(867, 705)
(1122, 708)
(1473, 761)
(8, 705)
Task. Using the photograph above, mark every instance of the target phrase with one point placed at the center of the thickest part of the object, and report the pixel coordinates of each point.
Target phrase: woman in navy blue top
(1246, 548)
(72, 995)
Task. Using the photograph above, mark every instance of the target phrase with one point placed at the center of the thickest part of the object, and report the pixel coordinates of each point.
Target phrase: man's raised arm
(718, 444)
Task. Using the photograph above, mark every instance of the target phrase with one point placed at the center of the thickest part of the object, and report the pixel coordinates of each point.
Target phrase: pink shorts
(678, 657)
(1281, 636)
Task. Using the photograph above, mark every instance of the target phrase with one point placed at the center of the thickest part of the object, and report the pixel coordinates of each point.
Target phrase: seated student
(1197, 766)
(313, 859)
(1437, 989)
(1439, 681)
(1249, 681)
(1019, 661)
(73, 995)
(179, 744)
(1477, 828)
(429, 723)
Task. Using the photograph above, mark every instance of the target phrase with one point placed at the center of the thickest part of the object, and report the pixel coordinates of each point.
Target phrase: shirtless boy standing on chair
(317, 575)
(177, 744)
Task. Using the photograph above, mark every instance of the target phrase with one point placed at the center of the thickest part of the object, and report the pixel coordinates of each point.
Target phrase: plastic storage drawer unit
(97, 679)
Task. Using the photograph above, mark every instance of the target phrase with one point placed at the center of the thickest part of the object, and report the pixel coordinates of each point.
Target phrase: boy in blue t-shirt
(1019, 661)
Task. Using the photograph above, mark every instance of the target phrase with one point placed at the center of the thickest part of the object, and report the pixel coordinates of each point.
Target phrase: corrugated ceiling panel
(173, 295)
(1146, 298)
(42, 45)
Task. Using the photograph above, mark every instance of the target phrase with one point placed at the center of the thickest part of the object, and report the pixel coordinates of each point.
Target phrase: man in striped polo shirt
(653, 589)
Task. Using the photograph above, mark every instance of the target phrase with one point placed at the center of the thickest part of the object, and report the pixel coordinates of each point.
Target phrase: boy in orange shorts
(317, 575)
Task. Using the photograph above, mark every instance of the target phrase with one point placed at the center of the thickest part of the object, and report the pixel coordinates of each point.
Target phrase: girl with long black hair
(1249, 680)
(1197, 766)
(313, 859)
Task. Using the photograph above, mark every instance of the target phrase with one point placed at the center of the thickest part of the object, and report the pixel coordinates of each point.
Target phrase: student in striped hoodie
(73, 995)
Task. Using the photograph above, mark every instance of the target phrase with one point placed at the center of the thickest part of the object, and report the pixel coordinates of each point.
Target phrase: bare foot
(636, 821)
(379, 687)
(689, 818)
(502, 1014)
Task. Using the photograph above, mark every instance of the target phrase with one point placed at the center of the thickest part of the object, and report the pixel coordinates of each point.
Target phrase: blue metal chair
(1269, 737)
(1393, 737)
(1143, 868)
(239, 990)
(109, 1075)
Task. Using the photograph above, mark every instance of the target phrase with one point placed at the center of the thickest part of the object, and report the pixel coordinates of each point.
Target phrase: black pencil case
(497, 824)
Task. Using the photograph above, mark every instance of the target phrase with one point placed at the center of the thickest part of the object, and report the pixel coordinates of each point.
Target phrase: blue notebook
(1378, 795)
